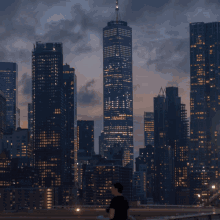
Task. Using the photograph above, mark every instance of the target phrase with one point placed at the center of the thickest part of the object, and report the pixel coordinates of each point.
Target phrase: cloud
(172, 56)
(86, 97)
(26, 83)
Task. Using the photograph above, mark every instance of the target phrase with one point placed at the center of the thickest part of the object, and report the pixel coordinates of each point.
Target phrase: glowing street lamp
(213, 186)
(199, 195)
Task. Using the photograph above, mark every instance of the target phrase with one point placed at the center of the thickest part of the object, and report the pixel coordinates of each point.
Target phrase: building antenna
(161, 92)
(116, 10)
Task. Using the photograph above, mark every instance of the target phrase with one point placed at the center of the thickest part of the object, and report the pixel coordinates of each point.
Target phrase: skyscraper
(70, 95)
(171, 148)
(30, 119)
(48, 113)
(2, 114)
(117, 88)
(9, 85)
(85, 138)
(204, 104)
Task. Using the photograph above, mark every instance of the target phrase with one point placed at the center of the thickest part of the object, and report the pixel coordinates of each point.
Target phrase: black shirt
(120, 205)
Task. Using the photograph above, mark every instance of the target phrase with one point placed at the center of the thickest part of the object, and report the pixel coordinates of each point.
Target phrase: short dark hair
(118, 186)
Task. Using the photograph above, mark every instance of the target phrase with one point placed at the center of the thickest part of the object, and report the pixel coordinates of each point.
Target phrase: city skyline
(153, 60)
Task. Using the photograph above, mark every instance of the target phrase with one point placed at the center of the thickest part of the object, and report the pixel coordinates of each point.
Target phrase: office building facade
(49, 121)
(2, 114)
(30, 119)
(118, 88)
(70, 100)
(85, 138)
(204, 104)
(148, 128)
(171, 147)
(9, 85)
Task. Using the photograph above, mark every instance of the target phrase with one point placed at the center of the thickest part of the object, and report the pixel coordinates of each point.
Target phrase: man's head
(116, 188)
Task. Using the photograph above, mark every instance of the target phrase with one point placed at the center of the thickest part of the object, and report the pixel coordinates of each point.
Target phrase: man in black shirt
(118, 209)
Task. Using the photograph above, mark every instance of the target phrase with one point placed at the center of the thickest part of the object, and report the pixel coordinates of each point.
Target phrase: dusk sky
(160, 37)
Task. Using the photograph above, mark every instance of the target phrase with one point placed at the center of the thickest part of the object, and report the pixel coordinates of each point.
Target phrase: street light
(213, 186)
(199, 195)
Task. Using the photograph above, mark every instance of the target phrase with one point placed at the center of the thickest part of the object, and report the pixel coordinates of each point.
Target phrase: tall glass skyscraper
(204, 104)
(171, 148)
(9, 85)
(48, 113)
(70, 96)
(117, 88)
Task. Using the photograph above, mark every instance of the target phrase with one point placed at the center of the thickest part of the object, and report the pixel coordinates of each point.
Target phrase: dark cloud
(173, 33)
(86, 97)
(26, 83)
(82, 49)
(172, 56)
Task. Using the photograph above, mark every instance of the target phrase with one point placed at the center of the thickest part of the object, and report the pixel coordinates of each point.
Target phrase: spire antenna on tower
(116, 9)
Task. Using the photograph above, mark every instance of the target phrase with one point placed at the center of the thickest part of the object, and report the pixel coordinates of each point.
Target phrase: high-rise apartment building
(204, 105)
(117, 88)
(9, 85)
(2, 114)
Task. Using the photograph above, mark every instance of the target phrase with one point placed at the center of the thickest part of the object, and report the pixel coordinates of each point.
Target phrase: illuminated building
(48, 113)
(9, 85)
(117, 88)
(146, 159)
(70, 94)
(171, 147)
(140, 185)
(2, 114)
(100, 176)
(5, 168)
(149, 128)
(18, 144)
(28, 198)
(204, 103)
(85, 138)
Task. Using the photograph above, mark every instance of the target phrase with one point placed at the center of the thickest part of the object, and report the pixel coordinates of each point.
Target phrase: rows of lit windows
(110, 32)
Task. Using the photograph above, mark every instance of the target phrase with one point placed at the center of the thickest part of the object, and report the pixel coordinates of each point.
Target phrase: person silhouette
(118, 209)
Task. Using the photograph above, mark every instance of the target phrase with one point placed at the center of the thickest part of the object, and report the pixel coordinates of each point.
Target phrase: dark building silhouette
(9, 85)
(85, 138)
(30, 119)
(204, 106)
(48, 113)
(101, 144)
(117, 88)
(2, 114)
(171, 148)
(70, 97)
